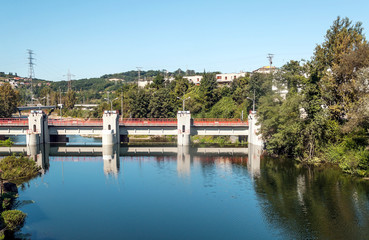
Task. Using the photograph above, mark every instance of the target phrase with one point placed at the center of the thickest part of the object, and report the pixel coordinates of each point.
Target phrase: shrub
(6, 203)
(6, 143)
(13, 219)
(14, 167)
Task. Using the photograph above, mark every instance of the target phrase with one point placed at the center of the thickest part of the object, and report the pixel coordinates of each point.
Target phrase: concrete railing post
(184, 128)
(110, 132)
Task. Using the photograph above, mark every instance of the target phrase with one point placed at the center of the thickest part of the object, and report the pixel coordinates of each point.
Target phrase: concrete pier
(254, 137)
(37, 128)
(110, 132)
(184, 128)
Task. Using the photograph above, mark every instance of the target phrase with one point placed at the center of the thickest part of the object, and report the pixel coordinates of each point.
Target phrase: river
(188, 193)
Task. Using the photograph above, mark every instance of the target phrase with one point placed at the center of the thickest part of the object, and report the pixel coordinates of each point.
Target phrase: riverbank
(13, 170)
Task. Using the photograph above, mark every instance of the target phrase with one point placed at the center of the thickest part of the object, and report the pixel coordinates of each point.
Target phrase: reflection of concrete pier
(184, 155)
(253, 163)
(111, 159)
(40, 154)
(183, 161)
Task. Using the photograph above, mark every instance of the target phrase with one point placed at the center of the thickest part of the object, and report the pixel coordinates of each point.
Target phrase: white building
(194, 79)
(222, 78)
(226, 78)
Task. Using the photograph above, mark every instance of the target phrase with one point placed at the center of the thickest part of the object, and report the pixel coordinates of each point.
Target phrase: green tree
(139, 101)
(181, 86)
(158, 81)
(344, 51)
(162, 104)
(358, 114)
(8, 100)
(70, 99)
(208, 86)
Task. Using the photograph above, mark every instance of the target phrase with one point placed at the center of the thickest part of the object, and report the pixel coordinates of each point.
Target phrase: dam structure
(39, 129)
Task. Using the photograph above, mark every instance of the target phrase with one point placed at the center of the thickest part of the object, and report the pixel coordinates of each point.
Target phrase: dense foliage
(13, 219)
(325, 114)
(8, 100)
(21, 167)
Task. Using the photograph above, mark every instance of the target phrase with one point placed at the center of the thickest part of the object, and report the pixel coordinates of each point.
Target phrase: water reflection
(269, 198)
(40, 154)
(308, 203)
(183, 161)
(111, 160)
(253, 163)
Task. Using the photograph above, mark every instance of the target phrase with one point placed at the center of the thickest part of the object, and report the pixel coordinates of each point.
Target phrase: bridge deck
(13, 122)
(127, 122)
(129, 126)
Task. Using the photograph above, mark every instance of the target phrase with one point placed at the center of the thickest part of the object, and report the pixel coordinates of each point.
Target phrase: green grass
(6, 143)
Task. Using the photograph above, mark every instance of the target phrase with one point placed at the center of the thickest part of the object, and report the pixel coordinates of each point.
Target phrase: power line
(69, 79)
(31, 71)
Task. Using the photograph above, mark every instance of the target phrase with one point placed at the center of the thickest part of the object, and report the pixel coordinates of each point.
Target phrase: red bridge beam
(148, 122)
(218, 122)
(13, 121)
(76, 122)
(128, 122)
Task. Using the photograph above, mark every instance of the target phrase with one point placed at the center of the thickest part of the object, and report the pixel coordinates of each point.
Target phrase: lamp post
(253, 101)
(111, 102)
(183, 102)
(39, 99)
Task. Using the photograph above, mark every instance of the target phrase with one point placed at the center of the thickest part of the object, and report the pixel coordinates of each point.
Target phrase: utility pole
(31, 72)
(139, 74)
(122, 104)
(61, 105)
(270, 57)
(69, 79)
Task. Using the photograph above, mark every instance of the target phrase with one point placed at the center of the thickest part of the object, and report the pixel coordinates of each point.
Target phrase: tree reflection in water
(312, 202)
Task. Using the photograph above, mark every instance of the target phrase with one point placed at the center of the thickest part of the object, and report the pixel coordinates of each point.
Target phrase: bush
(13, 219)
(351, 157)
(6, 203)
(14, 167)
(6, 143)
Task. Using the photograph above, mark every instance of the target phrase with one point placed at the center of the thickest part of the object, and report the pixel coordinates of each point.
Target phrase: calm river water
(195, 193)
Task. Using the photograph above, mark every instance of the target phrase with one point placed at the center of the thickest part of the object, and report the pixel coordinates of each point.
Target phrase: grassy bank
(351, 155)
(6, 143)
(221, 141)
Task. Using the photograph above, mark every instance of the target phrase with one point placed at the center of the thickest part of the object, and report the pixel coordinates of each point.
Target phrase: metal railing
(13, 121)
(76, 122)
(219, 122)
(148, 121)
(127, 122)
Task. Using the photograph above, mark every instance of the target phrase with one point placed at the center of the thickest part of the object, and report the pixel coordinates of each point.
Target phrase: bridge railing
(218, 122)
(148, 121)
(76, 122)
(13, 121)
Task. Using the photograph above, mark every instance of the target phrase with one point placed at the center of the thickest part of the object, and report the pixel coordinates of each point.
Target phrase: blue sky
(95, 37)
